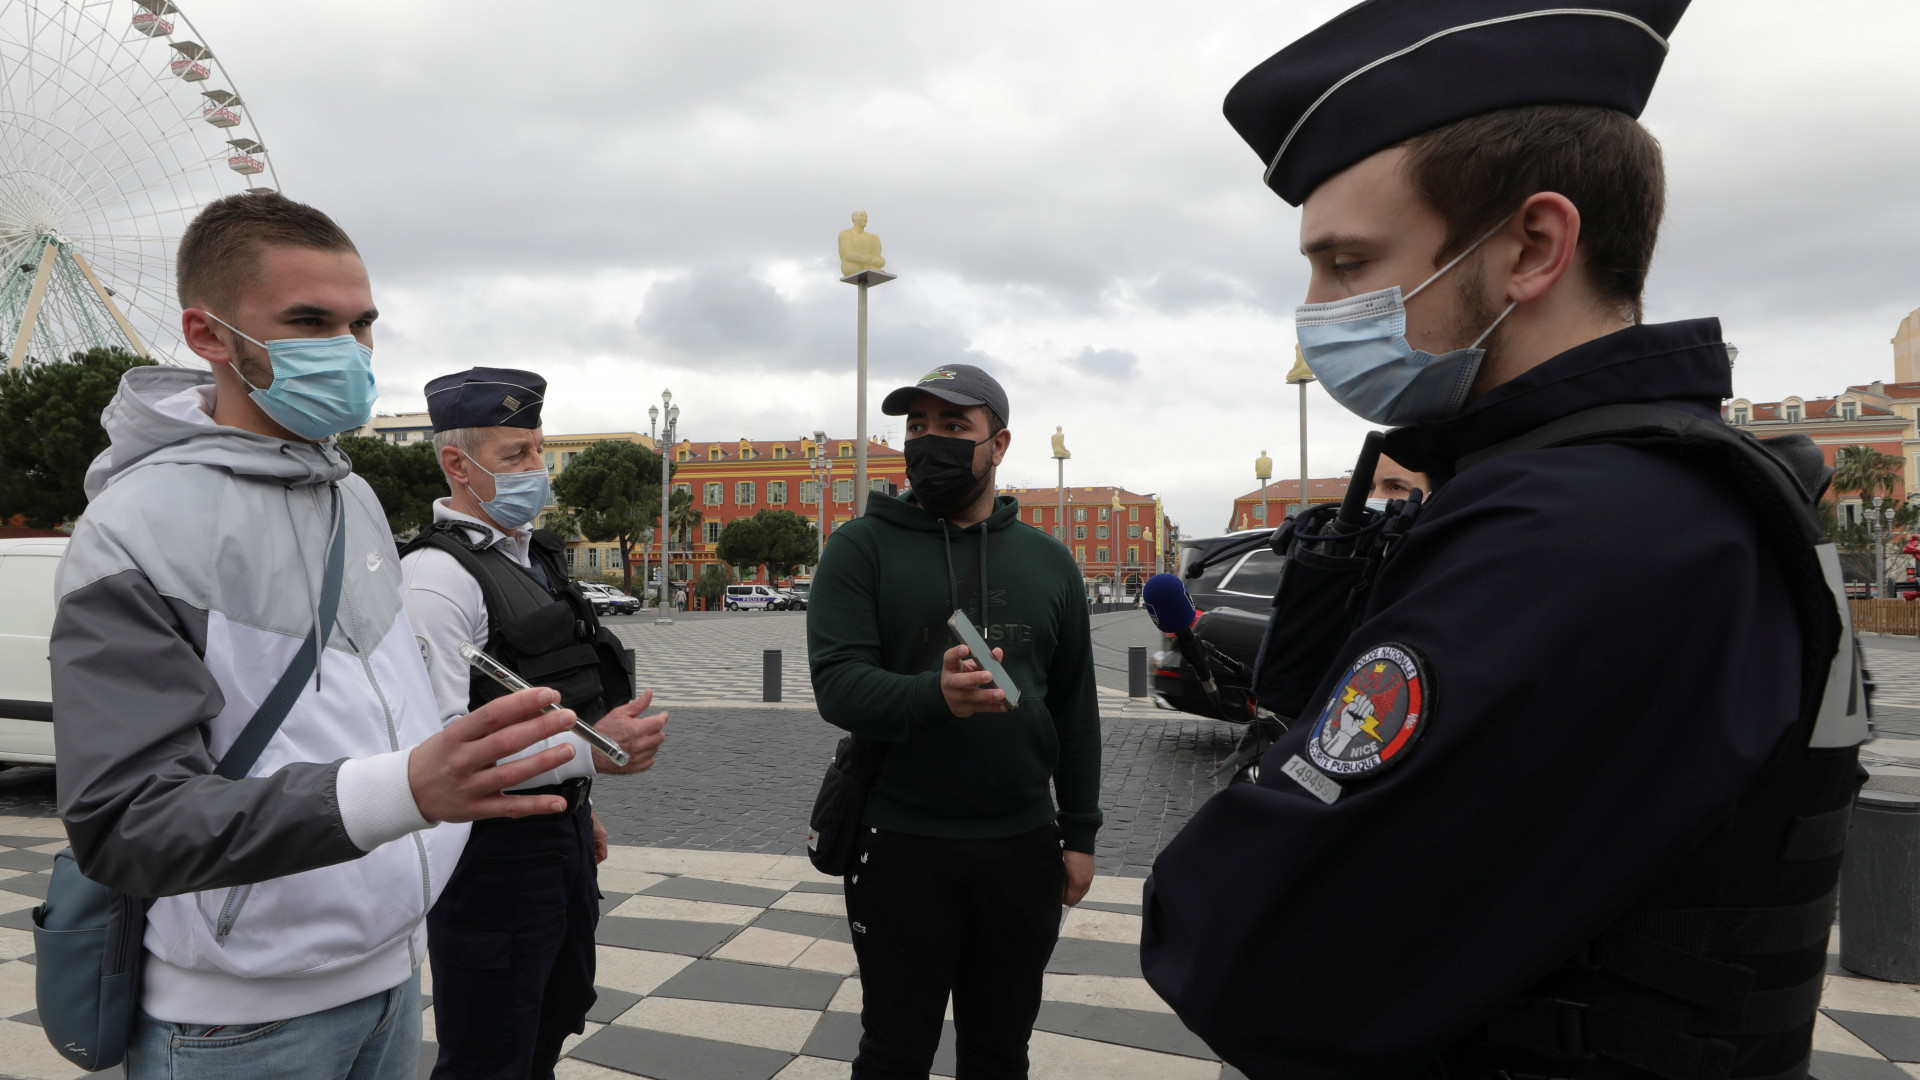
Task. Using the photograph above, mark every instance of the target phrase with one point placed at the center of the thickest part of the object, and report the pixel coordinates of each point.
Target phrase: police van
(754, 598)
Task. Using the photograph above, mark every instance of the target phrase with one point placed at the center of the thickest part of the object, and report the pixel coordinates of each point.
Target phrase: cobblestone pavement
(731, 966)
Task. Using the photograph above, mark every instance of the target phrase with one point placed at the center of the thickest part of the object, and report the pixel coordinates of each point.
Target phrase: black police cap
(960, 384)
(486, 397)
(1387, 70)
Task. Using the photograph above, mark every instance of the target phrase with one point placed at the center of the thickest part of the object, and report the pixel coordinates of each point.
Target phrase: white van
(27, 566)
(754, 598)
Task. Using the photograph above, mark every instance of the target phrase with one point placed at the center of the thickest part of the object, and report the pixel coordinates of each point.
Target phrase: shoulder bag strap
(267, 718)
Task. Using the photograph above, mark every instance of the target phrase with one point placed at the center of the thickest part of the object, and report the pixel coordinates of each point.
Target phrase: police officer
(511, 938)
(1533, 821)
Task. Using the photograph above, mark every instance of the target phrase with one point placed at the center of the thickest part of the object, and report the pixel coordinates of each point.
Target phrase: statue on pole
(1060, 444)
(859, 249)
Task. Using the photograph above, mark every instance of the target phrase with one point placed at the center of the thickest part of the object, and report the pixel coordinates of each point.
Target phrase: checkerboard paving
(720, 964)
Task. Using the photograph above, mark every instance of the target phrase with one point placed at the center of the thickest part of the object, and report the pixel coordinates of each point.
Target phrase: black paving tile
(611, 900)
(821, 886)
(717, 892)
(1228, 1072)
(1127, 1027)
(609, 1004)
(1828, 1066)
(34, 885)
(18, 920)
(31, 958)
(428, 1052)
(837, 1036)
(1896, 1038)
(1073, 956)
(26, 841)
(654, 935)
(31, 1016)
(798, 922)
(426, 1002)
(26, 860)
(1099, 905)
(661, 1056)
(751, 984)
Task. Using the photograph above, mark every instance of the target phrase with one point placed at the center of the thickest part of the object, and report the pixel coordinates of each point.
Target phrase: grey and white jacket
(191, 579)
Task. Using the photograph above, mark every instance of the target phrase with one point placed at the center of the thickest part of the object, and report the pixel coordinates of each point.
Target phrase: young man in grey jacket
(288, 933)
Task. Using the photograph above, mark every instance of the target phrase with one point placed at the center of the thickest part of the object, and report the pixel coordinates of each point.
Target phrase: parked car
(754, 598)
(793, 600)
(27, 567)
(607, 599)
(1232, 580)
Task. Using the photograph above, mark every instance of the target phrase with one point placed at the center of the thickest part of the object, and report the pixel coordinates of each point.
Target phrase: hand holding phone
(980, 654)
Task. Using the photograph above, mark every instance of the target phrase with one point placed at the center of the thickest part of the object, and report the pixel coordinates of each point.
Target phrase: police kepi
(511, 939)
(1569, 800)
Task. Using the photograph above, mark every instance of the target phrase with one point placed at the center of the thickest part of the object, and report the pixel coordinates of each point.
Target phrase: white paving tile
(635, 970)
(1870, 995)
(746, 1025)
(694, 863)
(831, 956)
(1108, 889)
(16, 988)
(1063, 1057)
(1835, 1039)
(755, 945)
(627, 881)
(814, 903)
(667, 907)
(847, 998)
(575, 1069)
(1103, 990)
(813, 1068)
(25, 1053)
(14, 944)
(1090, 925)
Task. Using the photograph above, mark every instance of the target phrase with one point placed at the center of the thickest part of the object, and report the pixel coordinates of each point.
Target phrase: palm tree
(1865, 471)
(683, 517)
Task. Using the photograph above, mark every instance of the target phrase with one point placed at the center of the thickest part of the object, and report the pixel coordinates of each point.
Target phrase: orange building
(741, 477)
(1878, 415)
(1119, 536)
(1282, 500)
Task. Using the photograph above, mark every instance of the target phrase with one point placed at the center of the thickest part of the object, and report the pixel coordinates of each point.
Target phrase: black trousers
(974, 918)
(511, 941)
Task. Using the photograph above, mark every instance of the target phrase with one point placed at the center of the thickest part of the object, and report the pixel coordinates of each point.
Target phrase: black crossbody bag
(833, 829)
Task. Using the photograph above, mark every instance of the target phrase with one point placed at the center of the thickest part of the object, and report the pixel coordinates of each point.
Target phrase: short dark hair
(1477, 172)
(221, 247)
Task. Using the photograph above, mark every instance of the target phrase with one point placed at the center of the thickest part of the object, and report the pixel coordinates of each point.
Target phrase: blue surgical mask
(1358, 349)
(321, 386)
(518, 497)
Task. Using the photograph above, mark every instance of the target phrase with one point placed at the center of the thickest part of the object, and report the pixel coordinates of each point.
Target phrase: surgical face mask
(518, 497)
(940, 470)
(1377, 504)
(1358, 349)
(321, 386)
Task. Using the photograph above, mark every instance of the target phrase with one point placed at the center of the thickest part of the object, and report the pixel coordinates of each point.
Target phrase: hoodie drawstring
(953, 581)
(313, 598)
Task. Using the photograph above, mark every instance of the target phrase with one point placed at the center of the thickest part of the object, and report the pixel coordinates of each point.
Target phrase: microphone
(1171, 609)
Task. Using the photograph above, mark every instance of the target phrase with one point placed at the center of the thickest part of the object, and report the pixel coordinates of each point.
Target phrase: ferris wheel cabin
(148, 20)
(222, 109)
(244, 162)
(187, 65)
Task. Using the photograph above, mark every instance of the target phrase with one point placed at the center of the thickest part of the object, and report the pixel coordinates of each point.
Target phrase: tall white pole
(860, 419)
(1303, 447)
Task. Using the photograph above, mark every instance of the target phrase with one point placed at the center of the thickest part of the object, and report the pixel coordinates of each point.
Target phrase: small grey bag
(88, 939)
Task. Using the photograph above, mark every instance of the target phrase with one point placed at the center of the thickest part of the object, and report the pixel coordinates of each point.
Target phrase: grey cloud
(723, 310)
(1106, 363)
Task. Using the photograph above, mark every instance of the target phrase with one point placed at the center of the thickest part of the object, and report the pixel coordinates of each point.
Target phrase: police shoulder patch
(1375, 715)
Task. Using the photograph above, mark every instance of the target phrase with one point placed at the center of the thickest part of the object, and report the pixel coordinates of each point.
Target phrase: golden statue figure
(1060, 444)
(859, 249)
(1263, 467)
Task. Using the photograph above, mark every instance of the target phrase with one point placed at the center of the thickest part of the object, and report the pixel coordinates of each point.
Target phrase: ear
(1546, 233)
(454, 464)
(200, 335)
(1000, 443)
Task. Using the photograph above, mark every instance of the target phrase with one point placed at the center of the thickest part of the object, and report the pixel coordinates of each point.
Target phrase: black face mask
(940, 470)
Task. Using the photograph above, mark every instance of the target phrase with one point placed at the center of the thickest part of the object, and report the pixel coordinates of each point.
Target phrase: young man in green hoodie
(964, 860)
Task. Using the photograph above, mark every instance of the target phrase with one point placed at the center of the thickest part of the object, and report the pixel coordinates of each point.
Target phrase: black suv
(1237, 575)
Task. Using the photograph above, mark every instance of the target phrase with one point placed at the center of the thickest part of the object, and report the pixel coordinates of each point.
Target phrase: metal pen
(495, 670)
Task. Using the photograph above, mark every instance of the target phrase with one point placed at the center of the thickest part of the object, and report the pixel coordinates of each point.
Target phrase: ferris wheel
(117, 123)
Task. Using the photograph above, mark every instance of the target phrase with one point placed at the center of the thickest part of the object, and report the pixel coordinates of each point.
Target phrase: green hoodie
(876, 630)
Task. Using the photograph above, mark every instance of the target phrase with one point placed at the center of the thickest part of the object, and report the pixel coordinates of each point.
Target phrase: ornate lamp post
(668, 436)
(1060, 456)
(821, 469)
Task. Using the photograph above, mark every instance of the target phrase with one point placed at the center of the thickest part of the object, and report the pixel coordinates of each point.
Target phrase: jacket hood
(1680, 364)
(906, 512)
(161, 415)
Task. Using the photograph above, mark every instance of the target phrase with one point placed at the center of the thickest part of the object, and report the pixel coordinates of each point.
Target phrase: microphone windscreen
(1167, 603)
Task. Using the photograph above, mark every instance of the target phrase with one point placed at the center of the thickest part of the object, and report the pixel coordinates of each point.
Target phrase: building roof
(1818, 409)
(1898, 391)
(1078, 496)
(763, 448)
(1289, 490)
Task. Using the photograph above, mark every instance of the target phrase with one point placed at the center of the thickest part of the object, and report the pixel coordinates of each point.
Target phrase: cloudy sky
(635, 196)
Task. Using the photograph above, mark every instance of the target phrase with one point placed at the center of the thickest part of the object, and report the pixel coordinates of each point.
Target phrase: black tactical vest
(1681, 987)
(547, 635)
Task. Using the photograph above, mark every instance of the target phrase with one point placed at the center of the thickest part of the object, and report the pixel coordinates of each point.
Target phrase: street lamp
(1879, 522)
(666, 440)
(1060, 456)
(821, 469)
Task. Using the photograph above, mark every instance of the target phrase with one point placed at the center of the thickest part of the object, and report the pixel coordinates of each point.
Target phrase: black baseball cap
(962, 384)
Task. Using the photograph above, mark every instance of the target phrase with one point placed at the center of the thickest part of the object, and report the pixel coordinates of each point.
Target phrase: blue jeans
(375, 1038)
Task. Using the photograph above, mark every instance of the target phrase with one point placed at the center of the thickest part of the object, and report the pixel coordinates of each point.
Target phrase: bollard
(1137, 671)
(770, 675)
(1880, 887)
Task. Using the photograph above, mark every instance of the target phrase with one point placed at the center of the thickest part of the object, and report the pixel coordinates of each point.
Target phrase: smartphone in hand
(963, 629)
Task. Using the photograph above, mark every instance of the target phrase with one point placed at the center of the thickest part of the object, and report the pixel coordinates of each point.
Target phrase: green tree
(1864, 471)
(613, 491)
(50, 431)
(712, 583)
(405, 478)
(779, 540)
(684, 517)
